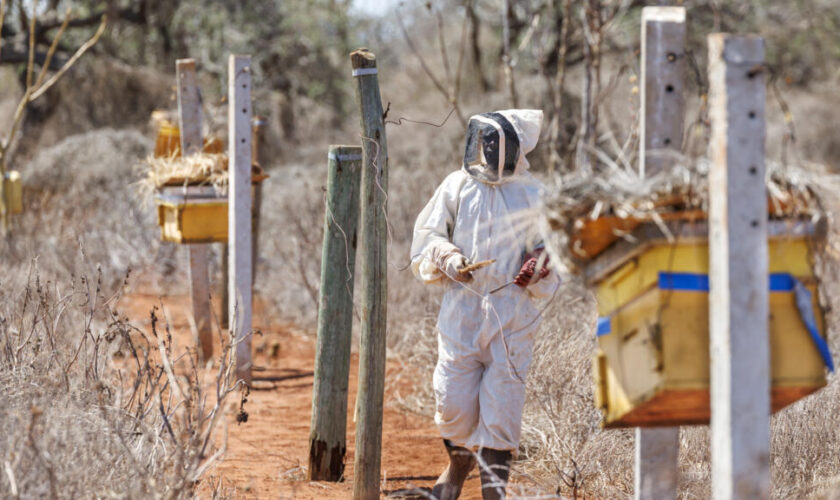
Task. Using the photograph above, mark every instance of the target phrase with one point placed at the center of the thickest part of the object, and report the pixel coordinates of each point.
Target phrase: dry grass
(95, 406)
(208, 168)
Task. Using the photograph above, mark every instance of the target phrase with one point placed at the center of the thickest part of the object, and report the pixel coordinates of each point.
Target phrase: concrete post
(738, 259)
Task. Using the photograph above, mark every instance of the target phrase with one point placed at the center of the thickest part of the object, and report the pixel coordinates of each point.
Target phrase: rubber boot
(495, 470)
(461, 462)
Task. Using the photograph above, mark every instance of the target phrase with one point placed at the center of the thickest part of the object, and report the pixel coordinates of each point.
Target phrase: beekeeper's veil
(498, 142)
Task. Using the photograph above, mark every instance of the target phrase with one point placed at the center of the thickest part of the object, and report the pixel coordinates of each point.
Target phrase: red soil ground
(267, 456)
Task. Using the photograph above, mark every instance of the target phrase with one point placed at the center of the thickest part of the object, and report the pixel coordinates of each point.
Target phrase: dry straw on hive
(794, 191)
(210, 169)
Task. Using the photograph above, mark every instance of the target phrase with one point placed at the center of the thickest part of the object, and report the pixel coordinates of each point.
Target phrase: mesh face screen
(484, 145)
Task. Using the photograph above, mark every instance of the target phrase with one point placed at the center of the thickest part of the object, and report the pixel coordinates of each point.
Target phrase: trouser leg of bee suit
(495, 470)
(461, 462)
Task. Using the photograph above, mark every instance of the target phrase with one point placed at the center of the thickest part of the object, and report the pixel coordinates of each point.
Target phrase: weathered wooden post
(738, 263)
(190, 122)
(374, 191)
(663, 78)
(327, 438)
(239, 210)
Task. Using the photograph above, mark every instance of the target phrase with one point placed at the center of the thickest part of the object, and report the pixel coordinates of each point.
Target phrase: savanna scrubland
(88, 235)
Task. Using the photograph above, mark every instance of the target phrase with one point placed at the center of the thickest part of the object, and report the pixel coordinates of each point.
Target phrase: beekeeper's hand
(528, 273)
(454, 264)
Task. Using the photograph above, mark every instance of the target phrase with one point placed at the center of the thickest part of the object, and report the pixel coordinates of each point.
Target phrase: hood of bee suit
(497, 143)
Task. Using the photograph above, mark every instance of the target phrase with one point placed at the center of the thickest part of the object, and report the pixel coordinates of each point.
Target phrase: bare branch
(52, 50)
(453, 99)
(30, 65)
(2, 22)
(70, 62)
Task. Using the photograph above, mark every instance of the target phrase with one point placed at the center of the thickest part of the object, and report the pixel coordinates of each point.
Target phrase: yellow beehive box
(13, 190)
(192, 218)
(652, 366)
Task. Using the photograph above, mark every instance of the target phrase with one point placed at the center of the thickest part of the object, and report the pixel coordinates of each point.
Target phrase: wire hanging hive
(652, 364)
(191, 193)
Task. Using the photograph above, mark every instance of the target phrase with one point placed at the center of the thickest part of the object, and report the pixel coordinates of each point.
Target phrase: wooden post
(663, 82)
(662, 110)
(239, 210)
(190, 121)
(374, 276)
(738, 264)
(327, 438)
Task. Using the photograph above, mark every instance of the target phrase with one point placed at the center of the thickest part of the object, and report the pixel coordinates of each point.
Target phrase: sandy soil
(268, 455)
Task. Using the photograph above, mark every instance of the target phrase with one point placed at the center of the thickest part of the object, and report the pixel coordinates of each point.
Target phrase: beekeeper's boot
(495, 469)
(461, 462)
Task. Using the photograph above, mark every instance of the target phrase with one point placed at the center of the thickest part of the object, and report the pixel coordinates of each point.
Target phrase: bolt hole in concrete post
(751, 114)
(753, 170)
(671, 57)
(669, 88)
(667, 141)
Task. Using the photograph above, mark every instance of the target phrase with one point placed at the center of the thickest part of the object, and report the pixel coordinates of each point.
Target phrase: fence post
(327, 438)
(239, 210)
(663, 81)
(662, 116)
(657, 463)
(374, 276)
(190, 122)
(738, 262)
(257, 133)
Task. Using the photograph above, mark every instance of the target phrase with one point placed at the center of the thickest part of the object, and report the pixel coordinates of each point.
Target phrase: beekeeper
(478, 237)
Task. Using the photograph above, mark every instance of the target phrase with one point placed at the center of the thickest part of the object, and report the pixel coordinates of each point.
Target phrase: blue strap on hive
(696, 282)
(806, 312)
(604, 326)
(778, 282)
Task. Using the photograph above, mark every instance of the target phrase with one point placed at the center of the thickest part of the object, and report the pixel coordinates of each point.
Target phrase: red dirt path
(268, 455)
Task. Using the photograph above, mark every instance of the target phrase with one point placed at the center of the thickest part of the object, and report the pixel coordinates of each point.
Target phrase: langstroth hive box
(192, 217)
(652, 364)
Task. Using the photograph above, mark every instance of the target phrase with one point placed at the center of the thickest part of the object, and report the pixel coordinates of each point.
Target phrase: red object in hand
(528, 274)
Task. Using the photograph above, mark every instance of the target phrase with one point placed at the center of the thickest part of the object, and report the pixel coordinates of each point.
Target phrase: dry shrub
(76, 423)
(81, 193)
(97, 93)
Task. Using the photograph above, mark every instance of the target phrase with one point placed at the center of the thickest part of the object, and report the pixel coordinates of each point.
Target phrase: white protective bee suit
(486, 210)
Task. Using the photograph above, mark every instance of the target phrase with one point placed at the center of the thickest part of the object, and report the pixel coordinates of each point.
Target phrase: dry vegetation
(85, 387)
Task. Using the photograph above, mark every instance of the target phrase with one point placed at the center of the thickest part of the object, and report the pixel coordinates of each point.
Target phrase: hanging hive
(13, 192)
(189, 210)
(652, 364)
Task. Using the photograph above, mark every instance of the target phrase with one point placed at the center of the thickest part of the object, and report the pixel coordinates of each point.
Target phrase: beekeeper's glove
(528, 273)
(453, 265)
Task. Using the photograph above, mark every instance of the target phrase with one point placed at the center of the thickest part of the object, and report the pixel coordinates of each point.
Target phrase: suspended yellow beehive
(192, 218)
(168, 141)
(189, 209)
(652, 365)
(13, 192)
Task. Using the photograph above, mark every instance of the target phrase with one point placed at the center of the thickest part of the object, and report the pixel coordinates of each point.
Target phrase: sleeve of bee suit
(432, 243)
